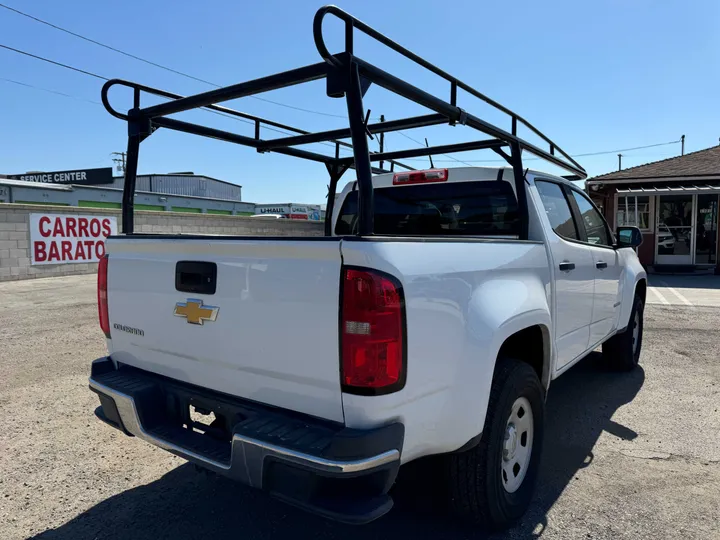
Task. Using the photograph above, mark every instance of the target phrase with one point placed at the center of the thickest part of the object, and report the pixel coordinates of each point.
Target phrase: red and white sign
(63, 239)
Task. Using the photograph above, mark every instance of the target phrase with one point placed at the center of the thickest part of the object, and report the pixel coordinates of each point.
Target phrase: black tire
(619, 352)
(477, 491)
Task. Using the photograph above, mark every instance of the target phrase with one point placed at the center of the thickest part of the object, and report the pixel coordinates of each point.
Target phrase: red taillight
(102, 296)
(420, 177)
(372, 333)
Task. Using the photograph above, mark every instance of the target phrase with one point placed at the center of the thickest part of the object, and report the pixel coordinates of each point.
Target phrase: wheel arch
(633, 281)
(641, 289)
(531, 345)
(508, 318)
(638, 287)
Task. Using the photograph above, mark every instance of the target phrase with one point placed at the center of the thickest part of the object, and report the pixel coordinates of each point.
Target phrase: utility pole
(619, 162)
(119, 160)
(682, 145)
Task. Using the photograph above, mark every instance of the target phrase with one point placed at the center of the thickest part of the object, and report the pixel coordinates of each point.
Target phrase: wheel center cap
(510, 443)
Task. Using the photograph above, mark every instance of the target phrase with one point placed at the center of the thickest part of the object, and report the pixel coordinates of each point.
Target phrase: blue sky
(594, 76)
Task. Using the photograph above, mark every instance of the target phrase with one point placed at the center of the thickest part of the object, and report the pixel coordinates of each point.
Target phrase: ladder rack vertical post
(361, 150)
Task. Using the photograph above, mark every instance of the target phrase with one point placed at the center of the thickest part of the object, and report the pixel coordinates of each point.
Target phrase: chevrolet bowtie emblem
(194, 311)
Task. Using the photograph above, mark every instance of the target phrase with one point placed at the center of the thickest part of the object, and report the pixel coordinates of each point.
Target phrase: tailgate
(269, 333)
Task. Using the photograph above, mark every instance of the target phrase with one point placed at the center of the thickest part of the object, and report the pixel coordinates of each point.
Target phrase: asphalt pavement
(691, 291)
(626, 455)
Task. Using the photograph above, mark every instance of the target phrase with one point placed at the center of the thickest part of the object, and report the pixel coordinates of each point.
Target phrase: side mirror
(628, 237)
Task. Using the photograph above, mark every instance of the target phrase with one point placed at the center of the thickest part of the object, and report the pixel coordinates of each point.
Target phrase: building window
(633, 211)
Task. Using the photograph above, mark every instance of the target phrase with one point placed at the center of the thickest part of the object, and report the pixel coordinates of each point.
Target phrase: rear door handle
(600, 265)
(567, 266)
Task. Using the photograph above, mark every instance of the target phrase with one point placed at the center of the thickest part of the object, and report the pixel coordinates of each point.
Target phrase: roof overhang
(684, 179)
(698, 189)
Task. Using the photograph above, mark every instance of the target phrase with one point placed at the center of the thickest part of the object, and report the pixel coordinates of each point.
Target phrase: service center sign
(63, 239)
(84, 177)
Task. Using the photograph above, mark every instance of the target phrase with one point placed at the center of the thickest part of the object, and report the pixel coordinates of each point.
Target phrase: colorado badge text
(194, 311)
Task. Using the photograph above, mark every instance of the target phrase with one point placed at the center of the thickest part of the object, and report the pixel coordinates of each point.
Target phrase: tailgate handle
(196, 277)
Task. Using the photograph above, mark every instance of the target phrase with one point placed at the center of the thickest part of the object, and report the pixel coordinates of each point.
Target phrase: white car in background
(665, 241)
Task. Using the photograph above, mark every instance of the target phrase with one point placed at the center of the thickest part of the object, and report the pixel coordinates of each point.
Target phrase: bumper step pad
(338, 472)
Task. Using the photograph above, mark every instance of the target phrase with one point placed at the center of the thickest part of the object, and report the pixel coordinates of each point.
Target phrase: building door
(706, 229)
(674, 236)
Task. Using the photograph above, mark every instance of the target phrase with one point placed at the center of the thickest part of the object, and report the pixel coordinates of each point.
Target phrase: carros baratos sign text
(63, 239)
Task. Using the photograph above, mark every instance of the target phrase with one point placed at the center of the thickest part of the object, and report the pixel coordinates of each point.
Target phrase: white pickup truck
(313, 368)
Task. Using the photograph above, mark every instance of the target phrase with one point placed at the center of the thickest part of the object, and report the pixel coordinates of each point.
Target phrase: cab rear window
(451, 209)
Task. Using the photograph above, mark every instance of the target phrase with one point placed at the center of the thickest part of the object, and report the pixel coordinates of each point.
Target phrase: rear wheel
(492, 484)
(622, 351)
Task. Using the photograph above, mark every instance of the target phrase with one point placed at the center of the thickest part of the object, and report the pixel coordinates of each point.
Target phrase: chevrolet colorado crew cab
(429, 320)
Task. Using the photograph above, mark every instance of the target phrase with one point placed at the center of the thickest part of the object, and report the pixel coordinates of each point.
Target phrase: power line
(49, 90)
(181, 73)
(574, 155)
(171, 70)
(286, 133)
(421, 144)
(60, 64)
(626, 149)
(54, 62)
(269, 128)
(84, 72)
(155, 64)
(204, 81)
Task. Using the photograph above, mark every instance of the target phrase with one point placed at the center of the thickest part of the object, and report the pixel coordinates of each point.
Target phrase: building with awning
(674, 202)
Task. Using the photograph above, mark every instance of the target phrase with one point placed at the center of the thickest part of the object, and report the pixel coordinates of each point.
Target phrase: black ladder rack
(350, 77)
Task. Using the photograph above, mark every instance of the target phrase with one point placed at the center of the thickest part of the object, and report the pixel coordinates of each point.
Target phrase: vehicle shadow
(186, 504)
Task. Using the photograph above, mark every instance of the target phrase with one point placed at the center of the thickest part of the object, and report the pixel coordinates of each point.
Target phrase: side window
(557, 209)
(595, 228)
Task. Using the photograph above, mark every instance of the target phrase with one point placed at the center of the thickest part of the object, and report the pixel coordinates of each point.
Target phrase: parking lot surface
(691, 291)
(626, 455)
